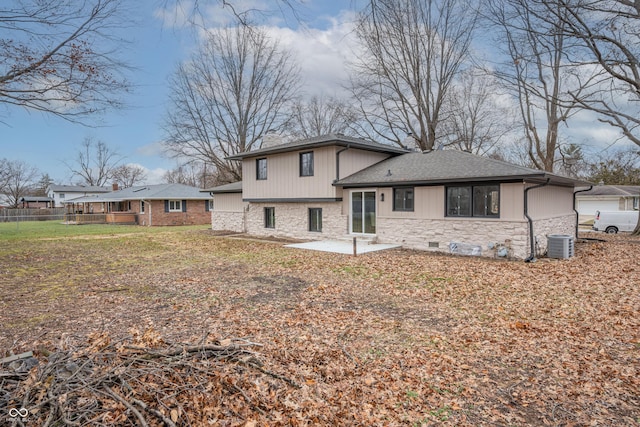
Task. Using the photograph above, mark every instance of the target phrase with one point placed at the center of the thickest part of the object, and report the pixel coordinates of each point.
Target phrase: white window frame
(175, 205)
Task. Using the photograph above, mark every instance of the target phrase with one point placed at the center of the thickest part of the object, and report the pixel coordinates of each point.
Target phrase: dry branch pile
(142, 381)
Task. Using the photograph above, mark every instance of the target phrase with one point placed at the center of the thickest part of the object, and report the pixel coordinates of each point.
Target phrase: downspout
(532, 249)
(574, 206)
(150, 206)
(338, 160)
(211, 213)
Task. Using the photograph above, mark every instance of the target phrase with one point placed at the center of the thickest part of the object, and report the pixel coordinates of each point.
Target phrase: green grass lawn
(12, 231)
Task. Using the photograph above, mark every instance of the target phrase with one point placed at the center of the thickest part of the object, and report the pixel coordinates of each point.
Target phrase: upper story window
(473, 201)
(175, 205)
(306, 163)
(403, 199)
(261, 168)
(62, 195)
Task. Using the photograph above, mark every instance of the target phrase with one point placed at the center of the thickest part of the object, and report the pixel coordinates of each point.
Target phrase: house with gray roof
(149, 205)
(61, 194)
(337, 187)
(607, 198)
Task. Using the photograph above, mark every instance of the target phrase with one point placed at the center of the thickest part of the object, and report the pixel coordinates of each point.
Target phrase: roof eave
(534, 178)
(353, 144)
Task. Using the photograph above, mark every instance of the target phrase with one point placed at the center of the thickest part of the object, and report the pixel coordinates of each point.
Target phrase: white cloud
(321, 53)
(155, 176)
(151, 150)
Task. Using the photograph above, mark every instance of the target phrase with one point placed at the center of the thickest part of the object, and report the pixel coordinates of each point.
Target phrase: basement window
(269, 217)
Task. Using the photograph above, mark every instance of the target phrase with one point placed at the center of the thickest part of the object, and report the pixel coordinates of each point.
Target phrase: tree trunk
(636, 231)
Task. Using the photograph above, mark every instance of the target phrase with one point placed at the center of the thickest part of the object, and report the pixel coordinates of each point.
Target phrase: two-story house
(63, 194)
(335, 186)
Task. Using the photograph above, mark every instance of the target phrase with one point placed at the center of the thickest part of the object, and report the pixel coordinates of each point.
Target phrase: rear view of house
(335, 187)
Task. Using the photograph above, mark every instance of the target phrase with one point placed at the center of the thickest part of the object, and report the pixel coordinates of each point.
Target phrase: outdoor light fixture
(382, 197)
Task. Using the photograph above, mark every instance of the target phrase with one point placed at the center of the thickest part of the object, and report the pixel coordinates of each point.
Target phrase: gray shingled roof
(321, 141)
(443, 166)
(148, 192)
(613, 190)
(234, 187)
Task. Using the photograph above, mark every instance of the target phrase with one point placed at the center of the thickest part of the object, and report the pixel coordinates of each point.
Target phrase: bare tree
(480, 119)
(235, 89)
(195, 174)
(413, 50)
(128, 175)
(18, 179)
(60, 57)
(320, 116)
(40, 188)
(4, 174)
(608, 34)
(95, 163)
(243, 13)
(621, 167)
(537, 75)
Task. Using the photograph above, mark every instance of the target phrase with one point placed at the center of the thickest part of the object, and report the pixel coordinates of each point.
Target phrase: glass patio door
(363, 212)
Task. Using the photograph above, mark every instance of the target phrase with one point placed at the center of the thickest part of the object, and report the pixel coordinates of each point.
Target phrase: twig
(129, 406)
(155, 412)
(346, 353)
(278, 376)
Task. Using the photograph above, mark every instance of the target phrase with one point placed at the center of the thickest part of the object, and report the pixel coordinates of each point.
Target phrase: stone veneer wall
(435, 235)
(292, 220)
(542, 228)
(228, 221)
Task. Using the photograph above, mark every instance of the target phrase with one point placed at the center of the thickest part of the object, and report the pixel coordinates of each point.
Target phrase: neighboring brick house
(335, 187)
(150, 205)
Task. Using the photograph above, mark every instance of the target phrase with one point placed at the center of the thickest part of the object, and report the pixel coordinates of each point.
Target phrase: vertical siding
(428, 203)
(284, 180)
(550, 201)
(228, 202)
(353, 160)
(512, 201)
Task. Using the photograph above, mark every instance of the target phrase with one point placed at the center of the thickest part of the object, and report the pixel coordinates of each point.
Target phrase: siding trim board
(295, 200)
(500, 180)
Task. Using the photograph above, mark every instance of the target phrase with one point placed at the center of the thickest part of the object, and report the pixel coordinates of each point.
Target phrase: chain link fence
(20, 215)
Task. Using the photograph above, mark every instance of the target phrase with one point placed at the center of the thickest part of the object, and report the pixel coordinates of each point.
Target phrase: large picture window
(315, 219)
(306, 163)
(473, 201)
(261, 168)
(403, 199)
(269, 217)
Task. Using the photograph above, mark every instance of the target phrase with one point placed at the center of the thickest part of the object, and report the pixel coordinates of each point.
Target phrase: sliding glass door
(363, 212)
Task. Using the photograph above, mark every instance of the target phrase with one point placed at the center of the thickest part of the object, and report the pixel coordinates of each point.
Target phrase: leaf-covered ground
(388, 338)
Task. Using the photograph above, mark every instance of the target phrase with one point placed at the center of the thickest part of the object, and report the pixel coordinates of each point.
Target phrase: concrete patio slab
(342, 247)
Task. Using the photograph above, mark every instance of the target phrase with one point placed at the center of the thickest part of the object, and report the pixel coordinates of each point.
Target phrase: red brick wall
(195, 214)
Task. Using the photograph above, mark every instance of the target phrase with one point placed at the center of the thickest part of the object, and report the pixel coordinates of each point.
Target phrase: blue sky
(47, 142)
(157, 46)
